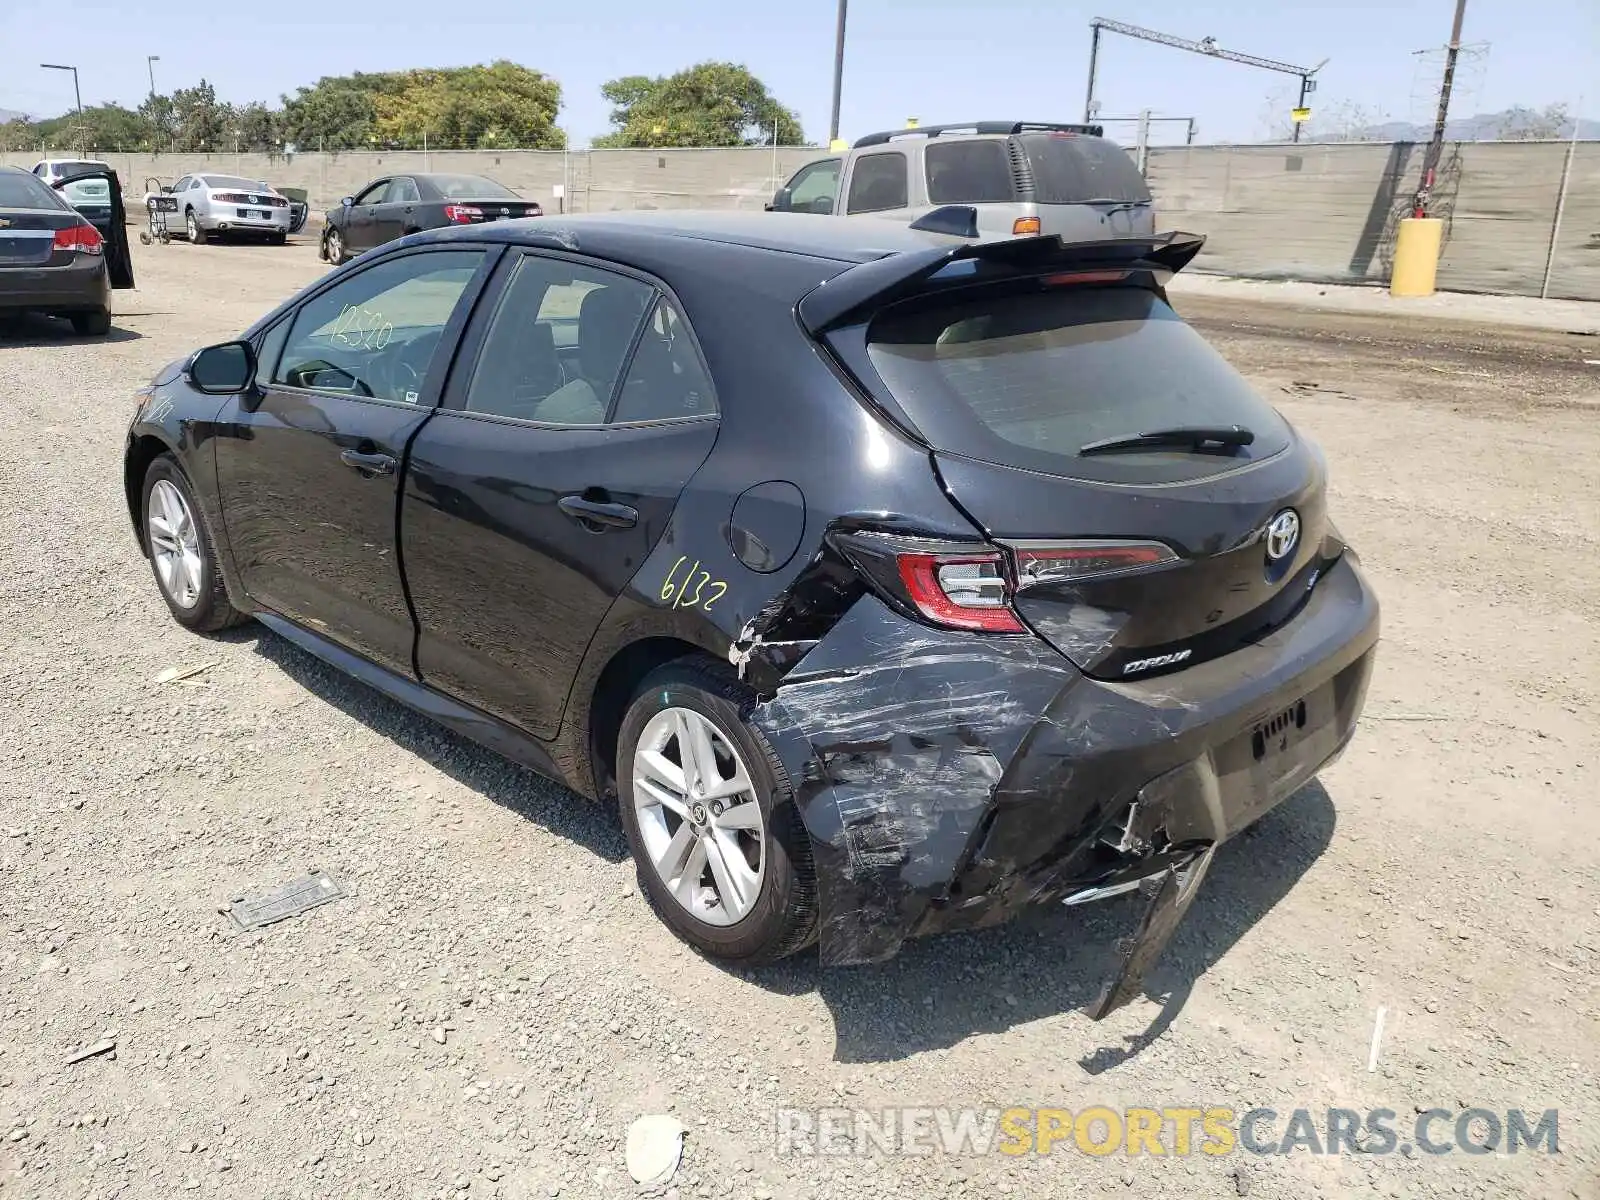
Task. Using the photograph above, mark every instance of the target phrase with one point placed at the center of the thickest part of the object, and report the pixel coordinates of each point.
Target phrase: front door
(309, 471)
(539, 489)
(361, 222)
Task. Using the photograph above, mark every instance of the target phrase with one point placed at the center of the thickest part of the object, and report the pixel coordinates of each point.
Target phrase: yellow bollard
(1416, 256)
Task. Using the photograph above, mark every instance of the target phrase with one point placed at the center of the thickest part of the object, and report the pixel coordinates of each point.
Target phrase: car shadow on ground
(939, 991)
(30, 332)
(530, 795)
(942, 990)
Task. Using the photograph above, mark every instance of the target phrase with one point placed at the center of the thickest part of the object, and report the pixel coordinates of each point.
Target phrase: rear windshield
(471, 187)
(1026, 380)
(233, 181)
(1070, 169)
(75, 168)
(24, 191)
(969, 172)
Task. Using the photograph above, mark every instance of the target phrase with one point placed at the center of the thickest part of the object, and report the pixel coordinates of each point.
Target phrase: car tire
(278, 239)
(777, 913)
(196, 232)
(96, 323)
(333, 245)
(182, 555)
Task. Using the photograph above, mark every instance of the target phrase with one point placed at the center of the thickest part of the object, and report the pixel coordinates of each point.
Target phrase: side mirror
(223, 370)
(348, 201)
(780, 202)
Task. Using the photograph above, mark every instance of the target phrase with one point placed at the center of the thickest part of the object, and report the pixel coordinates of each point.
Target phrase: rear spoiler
(853, 295)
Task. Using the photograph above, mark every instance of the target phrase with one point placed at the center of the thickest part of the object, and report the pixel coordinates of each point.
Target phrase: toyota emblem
(1283, 535)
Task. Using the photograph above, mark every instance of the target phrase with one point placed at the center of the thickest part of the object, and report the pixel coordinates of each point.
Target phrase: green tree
(161, 121)
(104, 127)
(499, 106)
(258, 127)
(203, 122)
(709, 104)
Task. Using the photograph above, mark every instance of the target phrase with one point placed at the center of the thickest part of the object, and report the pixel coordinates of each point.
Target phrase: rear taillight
(462, 214)
(971, 586)
(960, 591)
(83, 239)
(1084, 559)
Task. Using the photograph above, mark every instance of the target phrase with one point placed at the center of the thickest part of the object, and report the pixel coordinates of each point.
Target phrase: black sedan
(53, 260)
(397, 205)
(783, 533)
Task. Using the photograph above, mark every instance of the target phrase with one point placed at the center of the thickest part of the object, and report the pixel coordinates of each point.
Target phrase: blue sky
(932, 59)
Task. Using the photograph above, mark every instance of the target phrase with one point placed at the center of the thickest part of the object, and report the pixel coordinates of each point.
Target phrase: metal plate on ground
(281, 903)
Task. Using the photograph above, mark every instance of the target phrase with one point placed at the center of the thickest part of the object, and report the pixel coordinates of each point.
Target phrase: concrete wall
(1329, 212)
(1318, 212)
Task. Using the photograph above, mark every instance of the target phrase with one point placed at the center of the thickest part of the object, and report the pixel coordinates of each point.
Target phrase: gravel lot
(493, 1004)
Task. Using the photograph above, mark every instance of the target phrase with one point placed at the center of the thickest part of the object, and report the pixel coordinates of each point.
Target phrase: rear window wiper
(1117, 203)
(1197, 436)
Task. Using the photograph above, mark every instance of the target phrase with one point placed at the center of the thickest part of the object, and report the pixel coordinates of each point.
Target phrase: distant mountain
(1485, 127)
(7, 114)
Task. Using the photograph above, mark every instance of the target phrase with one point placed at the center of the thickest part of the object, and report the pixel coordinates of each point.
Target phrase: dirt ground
(492, 1005)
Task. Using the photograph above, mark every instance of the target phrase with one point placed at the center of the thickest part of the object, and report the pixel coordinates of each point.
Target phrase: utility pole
(838, 74)
(150, 61)
(1430, 164)
(1094, 65)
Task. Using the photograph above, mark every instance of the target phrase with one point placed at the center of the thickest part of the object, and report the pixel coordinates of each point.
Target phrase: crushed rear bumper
(950, 780)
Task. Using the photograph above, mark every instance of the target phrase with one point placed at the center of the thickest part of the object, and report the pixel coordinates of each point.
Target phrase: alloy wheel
(700, 821)
(174, 543)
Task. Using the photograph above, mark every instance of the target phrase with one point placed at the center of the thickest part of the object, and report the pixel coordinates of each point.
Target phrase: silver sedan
(210, 204)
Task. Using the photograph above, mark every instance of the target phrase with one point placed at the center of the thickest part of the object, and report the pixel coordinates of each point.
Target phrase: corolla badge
(1283, 535)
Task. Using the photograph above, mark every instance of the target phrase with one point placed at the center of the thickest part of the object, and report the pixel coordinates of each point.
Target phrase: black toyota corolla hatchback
(889, 579)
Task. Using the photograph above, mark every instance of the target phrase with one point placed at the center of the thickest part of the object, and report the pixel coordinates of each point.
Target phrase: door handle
(368, 464)
(596, 512)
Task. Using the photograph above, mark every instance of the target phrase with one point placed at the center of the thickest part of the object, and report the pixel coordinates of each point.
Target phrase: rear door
(309, 470)
(535, 494)
(1086, 187)
(1128, 559)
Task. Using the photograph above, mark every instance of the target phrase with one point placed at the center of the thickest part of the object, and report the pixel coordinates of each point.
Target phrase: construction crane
(1207, 46)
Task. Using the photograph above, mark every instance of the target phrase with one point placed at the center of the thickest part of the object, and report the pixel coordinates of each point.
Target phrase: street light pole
(150, 61)
(76, 95)
(838, 75)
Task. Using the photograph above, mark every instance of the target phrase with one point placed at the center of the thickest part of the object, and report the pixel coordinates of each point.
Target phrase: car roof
(857, 240)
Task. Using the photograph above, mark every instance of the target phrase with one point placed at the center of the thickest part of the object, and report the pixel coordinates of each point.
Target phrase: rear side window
(878, 182)
(1070, 169)
(557, 343)
(969, 172)
(25, 191)
(1026, 380)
